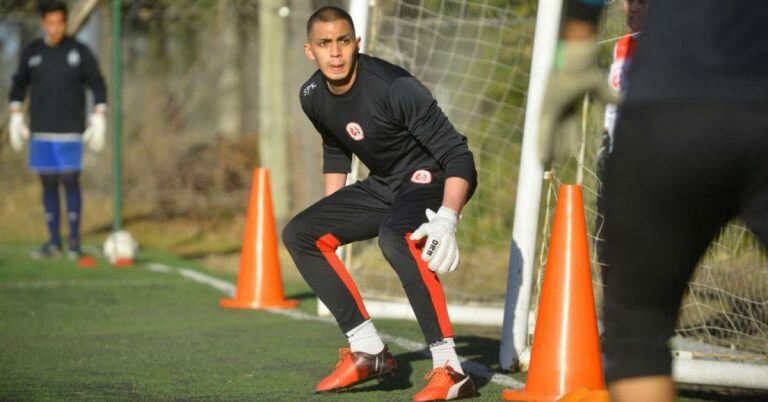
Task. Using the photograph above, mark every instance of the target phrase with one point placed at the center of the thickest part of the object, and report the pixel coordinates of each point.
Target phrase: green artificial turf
(70, 333)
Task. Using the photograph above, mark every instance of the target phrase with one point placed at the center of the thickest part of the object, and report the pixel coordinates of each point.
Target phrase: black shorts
(391, 210)
(678, 172)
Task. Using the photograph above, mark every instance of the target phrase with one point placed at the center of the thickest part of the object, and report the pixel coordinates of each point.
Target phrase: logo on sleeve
(422, 177)
(35, 61)
(73, 58)
(308, 89)
(355, 131)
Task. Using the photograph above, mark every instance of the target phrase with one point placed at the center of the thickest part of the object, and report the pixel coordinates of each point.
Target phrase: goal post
(513, 348)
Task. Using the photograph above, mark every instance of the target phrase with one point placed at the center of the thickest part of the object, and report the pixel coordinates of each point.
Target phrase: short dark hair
(329, 14)
(52, 6)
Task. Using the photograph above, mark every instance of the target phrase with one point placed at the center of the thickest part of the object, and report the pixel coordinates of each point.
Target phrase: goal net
(475, 57)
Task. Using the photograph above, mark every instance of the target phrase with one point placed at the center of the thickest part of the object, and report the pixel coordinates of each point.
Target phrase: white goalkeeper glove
(17, 130)
(95, 132)
(574, 75)
(440, 251)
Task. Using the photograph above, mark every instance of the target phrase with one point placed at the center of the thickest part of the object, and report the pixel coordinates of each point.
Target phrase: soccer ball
(120, 248)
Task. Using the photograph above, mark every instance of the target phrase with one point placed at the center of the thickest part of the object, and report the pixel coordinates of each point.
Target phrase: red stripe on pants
(434, 288)
(328, 245)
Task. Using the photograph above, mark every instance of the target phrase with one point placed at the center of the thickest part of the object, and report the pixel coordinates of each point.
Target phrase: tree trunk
(230, 122)
(273, 120)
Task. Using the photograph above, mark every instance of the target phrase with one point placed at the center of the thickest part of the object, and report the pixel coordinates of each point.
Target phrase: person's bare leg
(643, 389)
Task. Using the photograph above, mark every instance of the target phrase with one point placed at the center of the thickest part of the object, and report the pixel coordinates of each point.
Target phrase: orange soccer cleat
(446, 384)
(356, 368)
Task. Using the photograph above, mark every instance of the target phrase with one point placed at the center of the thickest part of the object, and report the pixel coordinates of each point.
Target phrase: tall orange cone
(584, 395)
(259, 284)
(566, 350)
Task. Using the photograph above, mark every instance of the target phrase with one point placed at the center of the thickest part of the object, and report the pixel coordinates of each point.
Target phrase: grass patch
(120, 334)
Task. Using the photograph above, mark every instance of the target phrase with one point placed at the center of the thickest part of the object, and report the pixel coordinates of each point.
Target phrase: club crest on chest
(34, 61)
(355, 131)
(73, 58)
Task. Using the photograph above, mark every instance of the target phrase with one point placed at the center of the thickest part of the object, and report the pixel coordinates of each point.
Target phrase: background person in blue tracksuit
(56, 69)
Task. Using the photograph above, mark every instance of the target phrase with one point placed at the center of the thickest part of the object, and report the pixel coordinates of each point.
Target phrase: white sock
(364, 338)
(444, 352)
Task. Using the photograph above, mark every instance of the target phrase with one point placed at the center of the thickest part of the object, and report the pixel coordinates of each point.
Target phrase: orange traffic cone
(566, 349)
(259, 284)
(584, 395)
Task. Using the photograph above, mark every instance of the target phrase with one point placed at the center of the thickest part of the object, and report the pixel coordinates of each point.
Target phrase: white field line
(85, 282)
(154, 267)
(475, 368)
(223, 286)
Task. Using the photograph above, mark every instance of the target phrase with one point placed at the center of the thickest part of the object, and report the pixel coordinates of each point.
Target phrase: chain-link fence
(193, 87)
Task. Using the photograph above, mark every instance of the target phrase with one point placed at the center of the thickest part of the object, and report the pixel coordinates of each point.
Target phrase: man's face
(55, 26)
(333, 46)
(635, 11)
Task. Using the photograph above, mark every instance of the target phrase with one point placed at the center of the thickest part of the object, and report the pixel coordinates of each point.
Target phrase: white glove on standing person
(17, 130)
(440, 251)
(94, 134)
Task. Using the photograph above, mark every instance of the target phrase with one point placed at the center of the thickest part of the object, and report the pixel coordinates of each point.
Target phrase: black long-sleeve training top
(57, 78)
(389, 120)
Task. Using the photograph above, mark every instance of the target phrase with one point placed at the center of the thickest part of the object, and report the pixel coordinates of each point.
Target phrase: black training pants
(678, 172)
(362, 211)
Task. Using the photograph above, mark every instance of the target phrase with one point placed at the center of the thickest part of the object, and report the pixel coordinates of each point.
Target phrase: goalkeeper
(419, 164)
(56, 69)
(690, 155)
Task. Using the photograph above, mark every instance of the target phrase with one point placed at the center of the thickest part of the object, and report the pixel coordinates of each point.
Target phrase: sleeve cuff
(462, 166)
